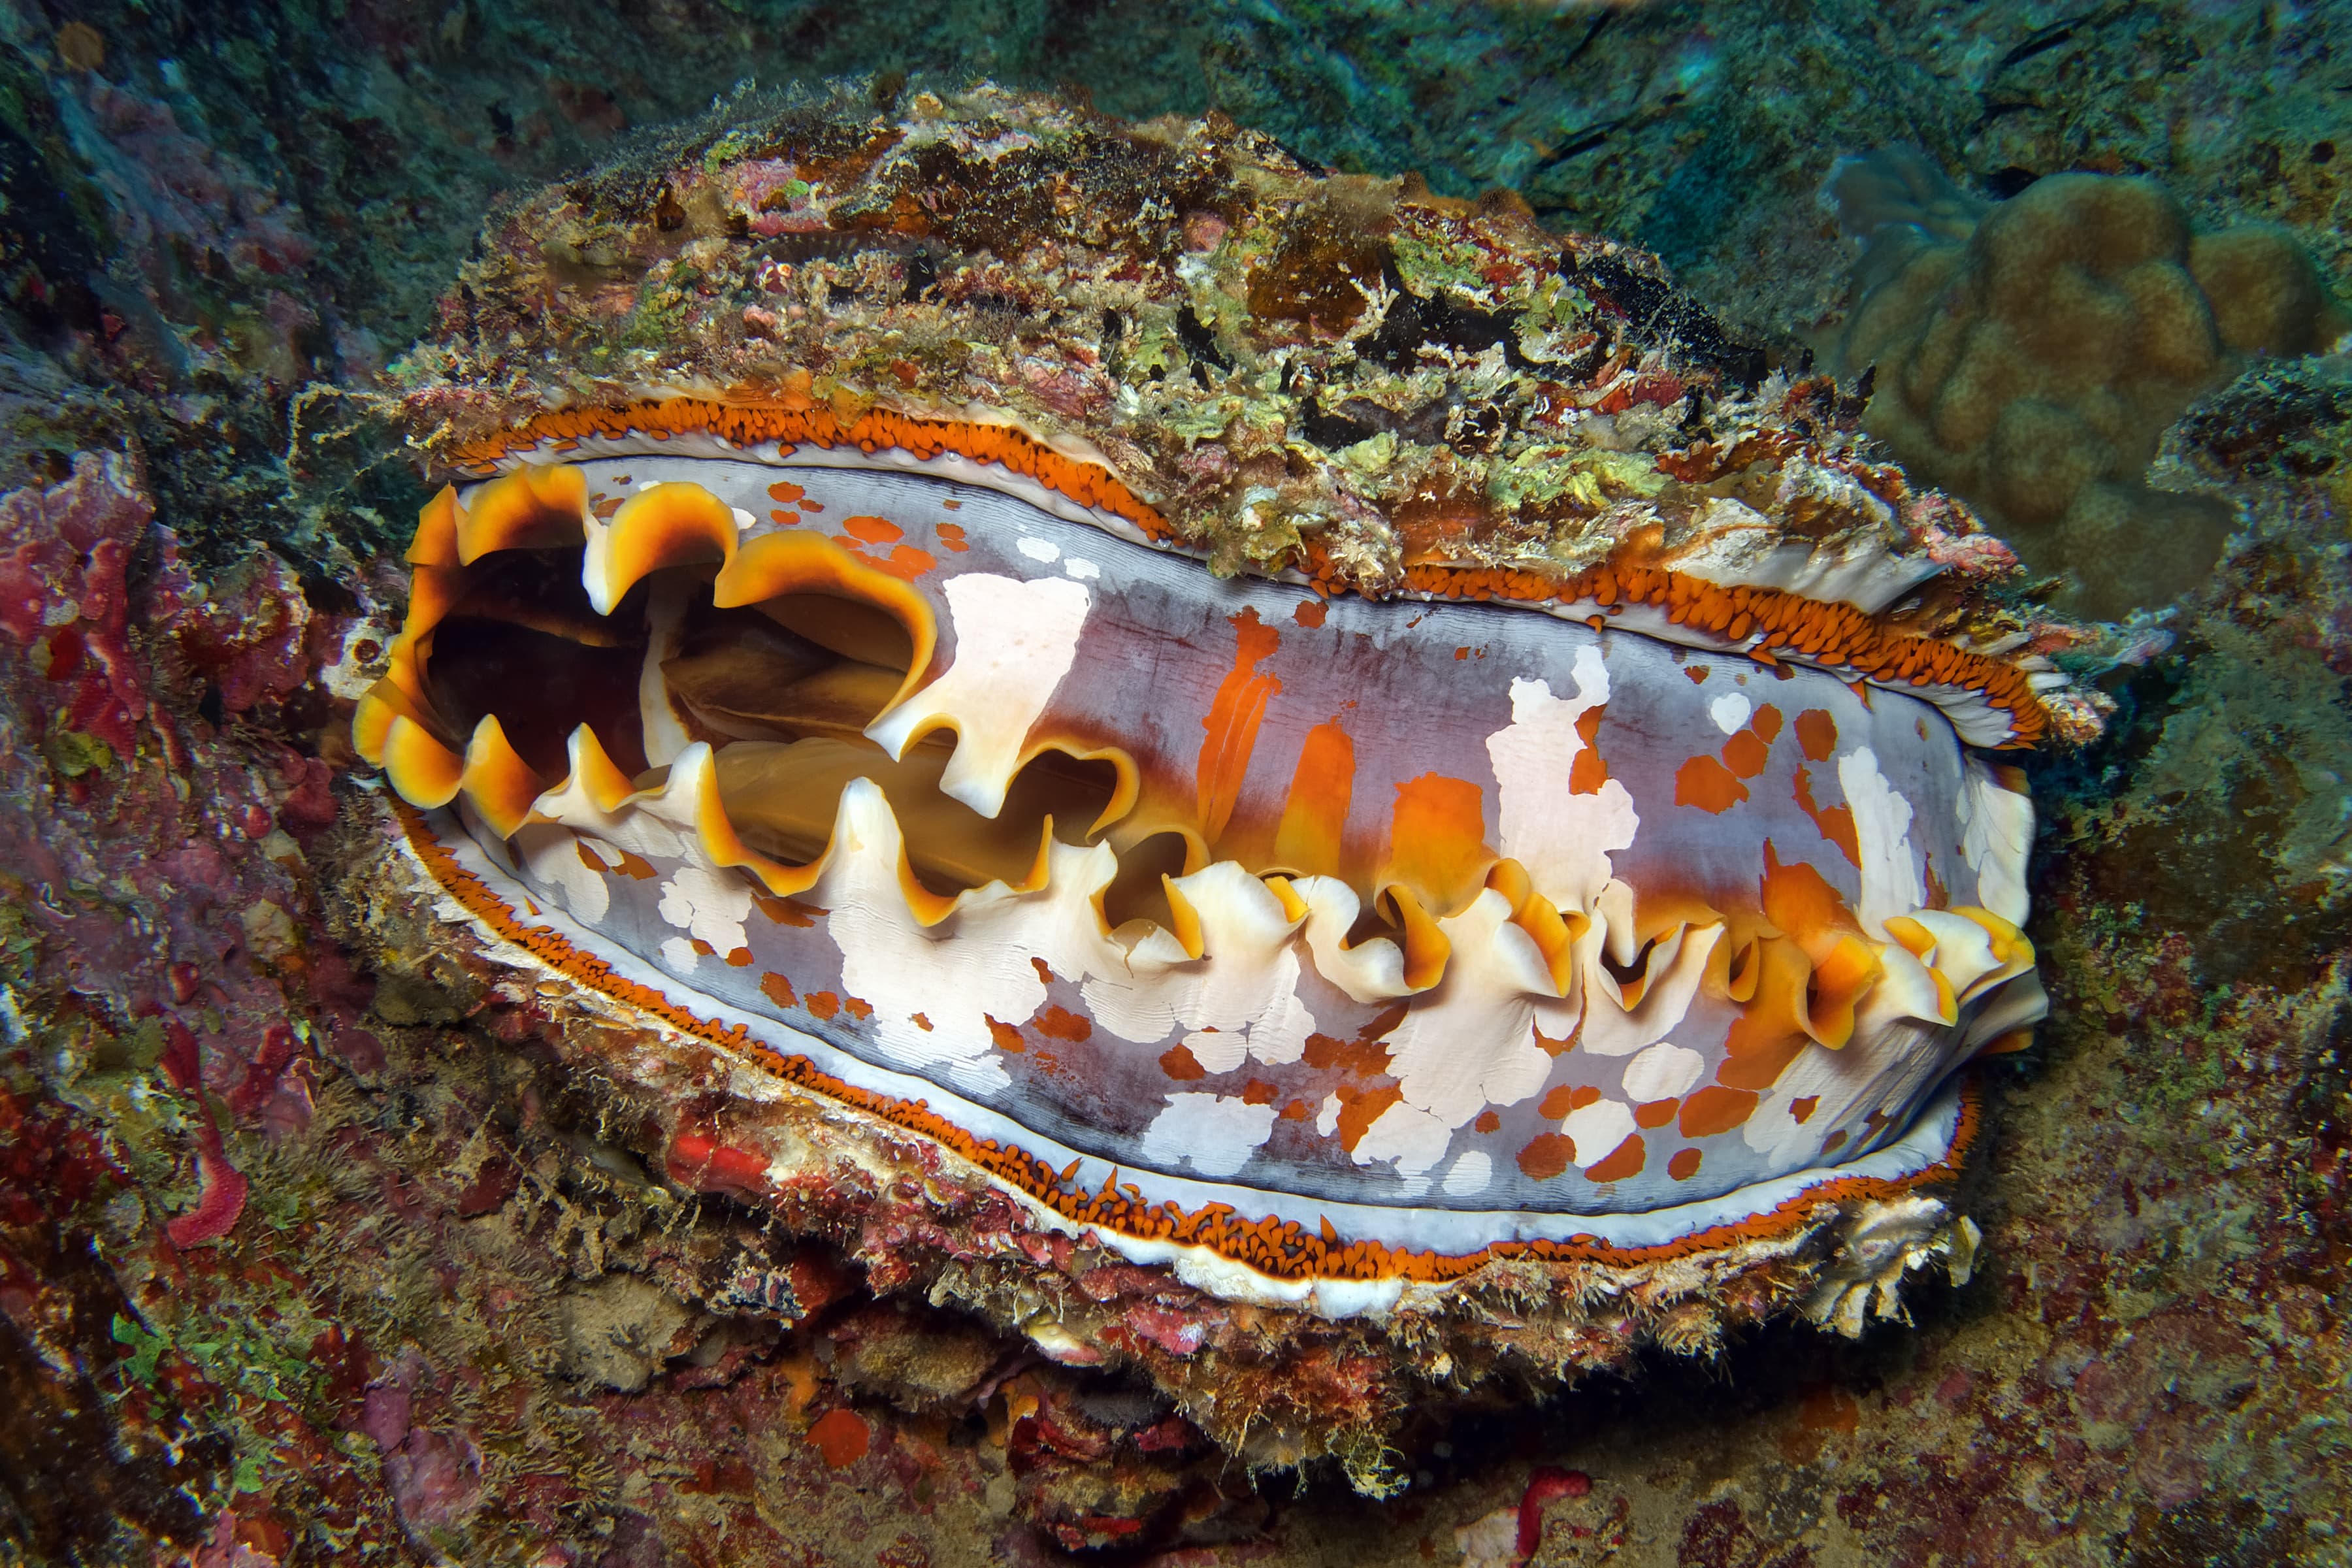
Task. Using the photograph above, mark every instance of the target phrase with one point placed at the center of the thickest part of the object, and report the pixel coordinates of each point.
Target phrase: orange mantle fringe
(1282, 1250)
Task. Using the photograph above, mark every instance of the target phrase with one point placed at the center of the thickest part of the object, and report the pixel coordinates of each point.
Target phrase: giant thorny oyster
(1067, 695)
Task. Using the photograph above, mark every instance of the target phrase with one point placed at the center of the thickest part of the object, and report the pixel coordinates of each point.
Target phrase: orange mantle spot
(1589, 771)
(1625, 1159)
(1817, 733)
(1707, 784)
(872, 530)
(1835, 822)
(1231, 723)
(1315, 816)
(1547, 1154)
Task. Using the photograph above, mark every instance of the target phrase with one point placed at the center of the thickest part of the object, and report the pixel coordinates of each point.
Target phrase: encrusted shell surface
(1336, 374)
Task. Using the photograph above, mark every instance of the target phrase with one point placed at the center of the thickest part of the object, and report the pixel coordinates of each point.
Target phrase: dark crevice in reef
(1660, 316)
(2322, 1115)
(69, 1480)
(1414, 320)
(2212, 1533)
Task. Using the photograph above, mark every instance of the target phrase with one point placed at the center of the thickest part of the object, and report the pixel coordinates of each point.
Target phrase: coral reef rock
(2028, 355)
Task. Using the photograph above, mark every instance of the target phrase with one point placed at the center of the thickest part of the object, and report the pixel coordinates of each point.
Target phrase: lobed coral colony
(1053, 694)
(2028, 354)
